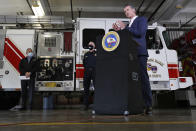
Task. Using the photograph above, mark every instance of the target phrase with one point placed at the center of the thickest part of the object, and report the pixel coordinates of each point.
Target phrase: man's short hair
(28, 49)
(129, 5)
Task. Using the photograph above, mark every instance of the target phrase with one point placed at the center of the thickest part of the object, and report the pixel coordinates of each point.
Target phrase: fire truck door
(157, 60)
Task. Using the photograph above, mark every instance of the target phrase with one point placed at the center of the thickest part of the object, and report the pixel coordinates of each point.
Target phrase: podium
(118, 83)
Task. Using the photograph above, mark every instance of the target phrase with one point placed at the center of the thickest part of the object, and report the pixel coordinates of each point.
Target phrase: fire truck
(163, 65)
(60, 54)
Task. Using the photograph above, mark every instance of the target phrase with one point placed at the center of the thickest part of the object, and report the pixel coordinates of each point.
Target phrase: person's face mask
(90, 47)
(30, 54)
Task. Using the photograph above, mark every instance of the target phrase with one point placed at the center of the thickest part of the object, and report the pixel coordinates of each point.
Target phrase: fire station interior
(59, 39)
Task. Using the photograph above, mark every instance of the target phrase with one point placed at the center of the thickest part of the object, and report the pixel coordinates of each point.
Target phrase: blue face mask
(30, 54)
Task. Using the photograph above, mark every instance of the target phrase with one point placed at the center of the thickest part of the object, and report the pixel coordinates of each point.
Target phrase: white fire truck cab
(162, 65)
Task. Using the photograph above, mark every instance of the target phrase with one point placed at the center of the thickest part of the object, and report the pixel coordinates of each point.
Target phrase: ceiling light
(37, 8)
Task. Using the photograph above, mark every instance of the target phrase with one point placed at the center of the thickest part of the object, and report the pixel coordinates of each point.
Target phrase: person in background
(89, 63)
(28, 67)
(138, 27)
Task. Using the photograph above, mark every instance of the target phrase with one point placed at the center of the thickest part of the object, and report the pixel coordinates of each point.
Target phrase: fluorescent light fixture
(37, 8)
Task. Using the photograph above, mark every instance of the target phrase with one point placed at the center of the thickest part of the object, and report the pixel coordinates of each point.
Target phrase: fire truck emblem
(110, 41)
(151, 68)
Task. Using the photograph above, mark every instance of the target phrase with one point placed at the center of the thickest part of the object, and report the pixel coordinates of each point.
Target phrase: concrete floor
(77, 120)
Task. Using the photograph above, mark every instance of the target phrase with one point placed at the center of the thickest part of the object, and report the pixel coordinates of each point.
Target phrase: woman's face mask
(90, 47)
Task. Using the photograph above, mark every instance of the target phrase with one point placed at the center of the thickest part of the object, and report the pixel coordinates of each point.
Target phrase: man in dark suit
(28, 67)
(138, 27)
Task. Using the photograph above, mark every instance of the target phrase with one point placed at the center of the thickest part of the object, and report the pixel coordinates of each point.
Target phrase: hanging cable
(138, 10)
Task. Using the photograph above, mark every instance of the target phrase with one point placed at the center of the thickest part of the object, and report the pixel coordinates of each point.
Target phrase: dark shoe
(148, 111)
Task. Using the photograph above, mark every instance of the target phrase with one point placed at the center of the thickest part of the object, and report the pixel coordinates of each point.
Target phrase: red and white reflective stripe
(13, 49)
(79, 65)
(173, 70)
(172, 65)
(79, 71)
(183, 80)
(12, 54)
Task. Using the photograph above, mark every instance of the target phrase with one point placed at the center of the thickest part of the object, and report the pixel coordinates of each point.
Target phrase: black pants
(27, 93)
(146, 90)
(89, 74)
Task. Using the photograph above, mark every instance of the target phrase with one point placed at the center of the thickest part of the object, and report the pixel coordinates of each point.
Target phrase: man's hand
(116, 27)
(121, 24)
(27, 74)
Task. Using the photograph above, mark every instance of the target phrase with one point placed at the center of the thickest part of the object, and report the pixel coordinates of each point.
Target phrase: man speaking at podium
(138, 27)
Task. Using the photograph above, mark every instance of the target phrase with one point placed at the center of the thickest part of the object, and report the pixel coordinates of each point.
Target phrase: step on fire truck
(60, 54)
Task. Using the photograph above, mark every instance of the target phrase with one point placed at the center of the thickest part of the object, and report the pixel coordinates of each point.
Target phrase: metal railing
(2, 42)
(6, 19)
